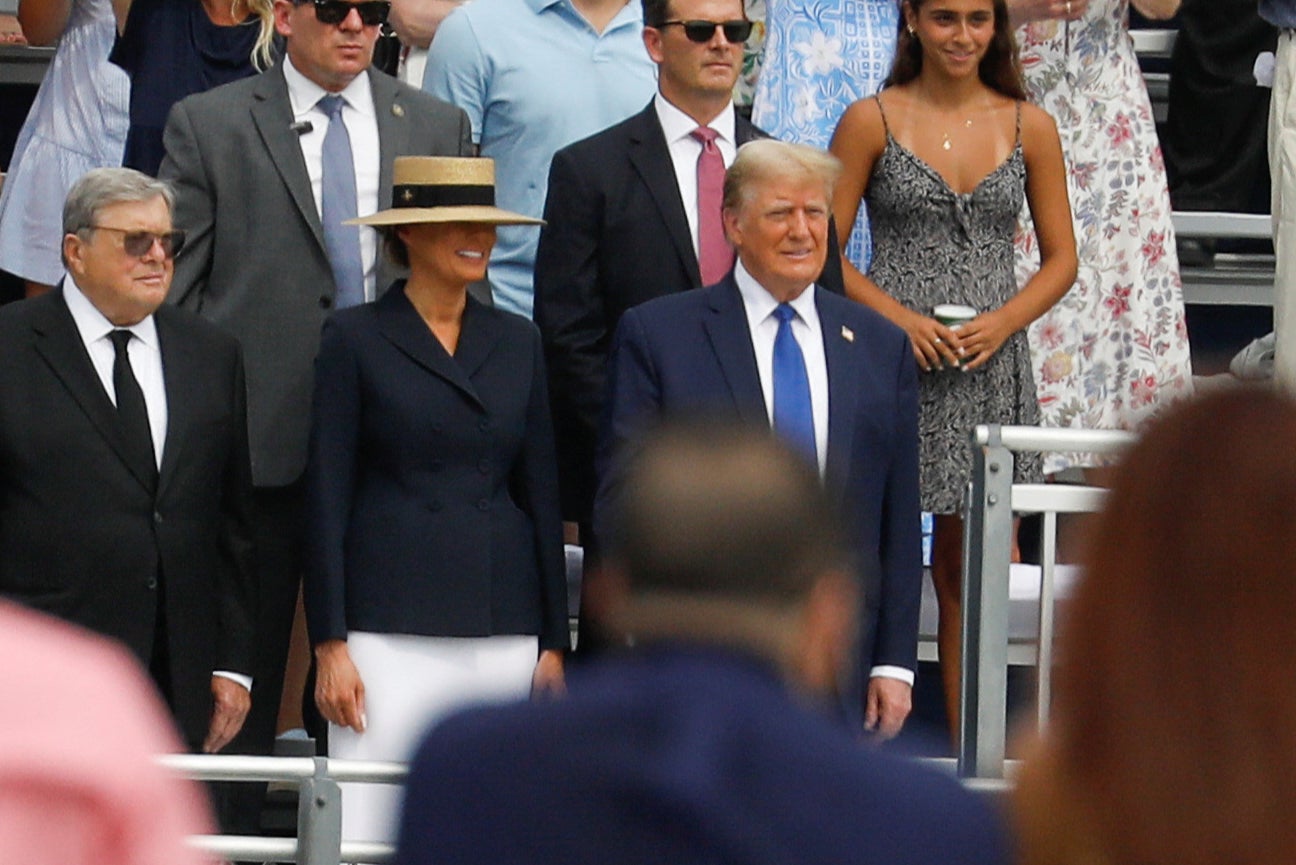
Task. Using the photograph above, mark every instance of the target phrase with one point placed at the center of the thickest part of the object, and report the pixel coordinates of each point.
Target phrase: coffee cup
(953, 315)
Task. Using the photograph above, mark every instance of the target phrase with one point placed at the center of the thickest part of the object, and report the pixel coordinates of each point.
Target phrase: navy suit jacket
(679, 755)
(432, 493)
(615, 235)
(692, 353)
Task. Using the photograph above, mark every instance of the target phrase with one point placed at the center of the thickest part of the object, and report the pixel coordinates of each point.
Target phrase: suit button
(484, 425)
(151, 584)
(483, 505)
(484, 467)
(325, 302)
(157, 517)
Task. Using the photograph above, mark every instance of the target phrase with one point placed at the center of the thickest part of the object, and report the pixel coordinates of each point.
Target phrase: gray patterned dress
(933, 245)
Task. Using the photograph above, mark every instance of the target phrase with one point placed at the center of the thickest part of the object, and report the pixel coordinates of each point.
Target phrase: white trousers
(1282, 168)
(410, 684)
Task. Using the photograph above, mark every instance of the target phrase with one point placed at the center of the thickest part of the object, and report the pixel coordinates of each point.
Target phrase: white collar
(93, 325)
(677, 125)
(303, 93)
(760, 304)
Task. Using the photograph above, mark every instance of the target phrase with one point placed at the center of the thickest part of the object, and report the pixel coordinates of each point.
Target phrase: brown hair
(999, 70)
(1173, 737)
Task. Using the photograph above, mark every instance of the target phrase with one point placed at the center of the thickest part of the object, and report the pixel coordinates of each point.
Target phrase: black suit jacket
(616, 235)
(81, 535)
(692, 352)
(432, 493)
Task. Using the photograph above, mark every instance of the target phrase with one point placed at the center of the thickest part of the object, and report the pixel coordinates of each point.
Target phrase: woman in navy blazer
(435, 562)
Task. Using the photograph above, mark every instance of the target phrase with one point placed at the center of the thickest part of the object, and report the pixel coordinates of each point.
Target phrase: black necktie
(132, 412)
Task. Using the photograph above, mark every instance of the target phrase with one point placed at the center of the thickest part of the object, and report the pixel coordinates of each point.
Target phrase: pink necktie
(715, 255)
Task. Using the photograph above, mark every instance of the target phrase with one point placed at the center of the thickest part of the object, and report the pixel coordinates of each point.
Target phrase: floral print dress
(820, 56)
(1114, 350)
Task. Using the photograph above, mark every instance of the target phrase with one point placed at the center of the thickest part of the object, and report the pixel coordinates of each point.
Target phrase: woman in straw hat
(435, 562)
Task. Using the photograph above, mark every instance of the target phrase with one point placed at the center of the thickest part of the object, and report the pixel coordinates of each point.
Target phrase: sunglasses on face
(138, 243)
(702, 31)
(372, 12)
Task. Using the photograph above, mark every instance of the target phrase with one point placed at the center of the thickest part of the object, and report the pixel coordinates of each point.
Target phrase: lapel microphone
(301, 127)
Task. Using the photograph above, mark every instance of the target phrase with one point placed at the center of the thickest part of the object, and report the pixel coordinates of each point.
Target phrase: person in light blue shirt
(534, 76)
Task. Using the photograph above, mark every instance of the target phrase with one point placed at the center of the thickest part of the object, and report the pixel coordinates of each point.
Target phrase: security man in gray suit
(266, 170)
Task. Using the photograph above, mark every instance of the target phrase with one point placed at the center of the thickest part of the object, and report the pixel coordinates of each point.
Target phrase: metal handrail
(992, 501)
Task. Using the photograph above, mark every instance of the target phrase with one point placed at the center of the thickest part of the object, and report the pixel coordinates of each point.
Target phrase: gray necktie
(337, 204)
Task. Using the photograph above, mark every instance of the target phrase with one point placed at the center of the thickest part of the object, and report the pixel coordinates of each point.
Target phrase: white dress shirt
(759, 305)
(685, 150)
(362, 128)
(145, 355)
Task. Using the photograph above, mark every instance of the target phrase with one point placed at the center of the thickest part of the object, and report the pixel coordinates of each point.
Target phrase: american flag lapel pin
(848, 334)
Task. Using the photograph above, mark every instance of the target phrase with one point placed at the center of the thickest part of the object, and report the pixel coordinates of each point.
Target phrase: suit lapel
(273, 115)
(844, 381)
(59, 343)
(730, 337)
(745, 130)
(402, 326)
(393, 140)
(651, 159)
(180, 369)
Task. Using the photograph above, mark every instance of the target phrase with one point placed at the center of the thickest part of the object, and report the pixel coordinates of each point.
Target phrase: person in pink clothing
(80, 729)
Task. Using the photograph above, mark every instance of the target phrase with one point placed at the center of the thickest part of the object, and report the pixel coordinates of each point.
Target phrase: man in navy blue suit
(768, 346)
(705, 742)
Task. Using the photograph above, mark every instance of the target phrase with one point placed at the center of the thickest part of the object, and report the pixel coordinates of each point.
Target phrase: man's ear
(73, 247)
(732, 229)
(652, 40)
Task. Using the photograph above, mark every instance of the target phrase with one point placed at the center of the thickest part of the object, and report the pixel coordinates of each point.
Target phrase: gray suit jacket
(254, 262)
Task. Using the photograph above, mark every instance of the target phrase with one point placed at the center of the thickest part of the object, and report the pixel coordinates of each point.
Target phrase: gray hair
(104, 187)
(765, 159)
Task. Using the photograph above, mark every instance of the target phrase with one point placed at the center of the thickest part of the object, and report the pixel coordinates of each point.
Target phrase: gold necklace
(945, 139)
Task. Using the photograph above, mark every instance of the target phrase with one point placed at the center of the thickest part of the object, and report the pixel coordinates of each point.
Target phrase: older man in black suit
(124, 474)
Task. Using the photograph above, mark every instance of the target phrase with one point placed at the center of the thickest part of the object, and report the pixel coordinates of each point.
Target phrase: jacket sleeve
(238, 577)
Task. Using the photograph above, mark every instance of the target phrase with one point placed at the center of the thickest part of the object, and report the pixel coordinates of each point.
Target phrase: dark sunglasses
(702, 31)
(372, 12)
(138, 243)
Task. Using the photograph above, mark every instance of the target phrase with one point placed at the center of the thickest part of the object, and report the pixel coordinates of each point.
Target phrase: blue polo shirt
(534, 76)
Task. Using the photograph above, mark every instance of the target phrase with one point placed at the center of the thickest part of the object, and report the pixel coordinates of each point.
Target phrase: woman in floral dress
(820, 56)
(1115, 348)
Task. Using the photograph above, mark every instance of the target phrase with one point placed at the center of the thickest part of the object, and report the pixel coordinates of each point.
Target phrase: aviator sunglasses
(702, 31)
(372, 12)
(138, 243)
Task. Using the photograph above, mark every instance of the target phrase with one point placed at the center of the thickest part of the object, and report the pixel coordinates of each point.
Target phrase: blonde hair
(766, 158)
(263, 50)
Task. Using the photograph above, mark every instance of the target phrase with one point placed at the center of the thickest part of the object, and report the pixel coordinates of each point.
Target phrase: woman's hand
(982, 337)
(339, 693)
(547, 680)
(935, 346)
(1027, 11)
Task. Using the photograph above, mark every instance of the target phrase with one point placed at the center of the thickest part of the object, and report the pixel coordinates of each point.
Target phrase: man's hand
(339, 693)
(889, 703)
(230, 704)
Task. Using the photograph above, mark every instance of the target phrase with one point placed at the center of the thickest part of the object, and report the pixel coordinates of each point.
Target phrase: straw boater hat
(443, 189)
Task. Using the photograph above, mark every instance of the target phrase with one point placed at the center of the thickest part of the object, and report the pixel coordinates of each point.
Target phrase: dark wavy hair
(1000, 69)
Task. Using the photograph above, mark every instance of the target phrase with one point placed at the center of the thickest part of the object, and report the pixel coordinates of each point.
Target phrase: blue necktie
(793, 415)
(337, 204)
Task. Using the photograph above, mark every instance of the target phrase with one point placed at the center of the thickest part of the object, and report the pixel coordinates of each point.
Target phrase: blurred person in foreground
(712, 738)
(1173, 734)
(81, 787)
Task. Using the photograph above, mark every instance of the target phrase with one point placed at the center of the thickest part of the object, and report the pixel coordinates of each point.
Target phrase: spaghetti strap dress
(932, 245)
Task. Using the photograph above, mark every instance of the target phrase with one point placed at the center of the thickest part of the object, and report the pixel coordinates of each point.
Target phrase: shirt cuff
(246, 681)
(889, 672)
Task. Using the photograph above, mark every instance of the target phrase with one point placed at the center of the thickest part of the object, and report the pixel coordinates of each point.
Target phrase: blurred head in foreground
(1173, 734)
(725, 536)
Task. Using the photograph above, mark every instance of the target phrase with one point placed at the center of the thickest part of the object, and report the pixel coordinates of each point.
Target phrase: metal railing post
(987, 551)
(319, 818)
